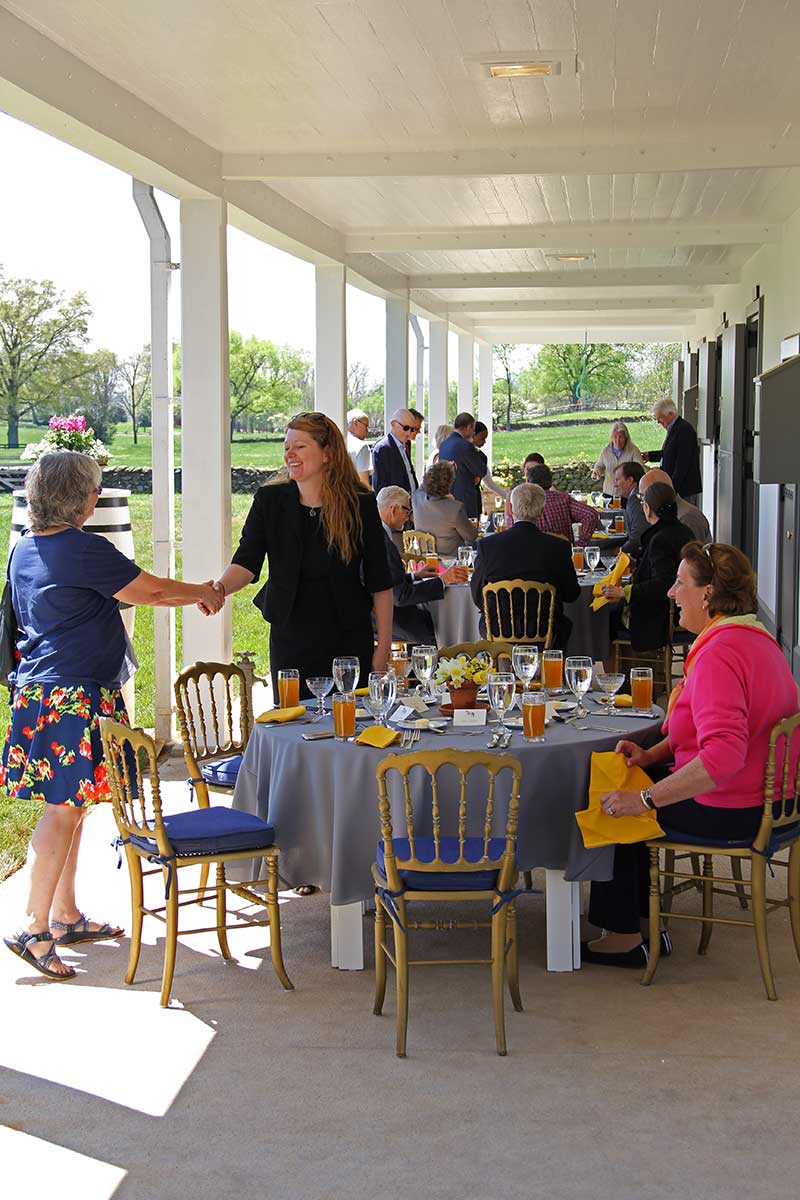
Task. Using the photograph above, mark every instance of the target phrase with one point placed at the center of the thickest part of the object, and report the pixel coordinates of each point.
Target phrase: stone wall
(139, 480)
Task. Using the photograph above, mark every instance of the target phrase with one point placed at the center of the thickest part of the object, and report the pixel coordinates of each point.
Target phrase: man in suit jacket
(391, 465)
(626, 484)
(525, 552)
(471, 465)
(680, 453)
(688, 514)
(412, 591)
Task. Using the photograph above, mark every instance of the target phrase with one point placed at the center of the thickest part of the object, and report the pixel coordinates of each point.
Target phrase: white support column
(485, 385)
(437, 375)
(205, 419)
(395, 392)
(466, 373)
(330, 366)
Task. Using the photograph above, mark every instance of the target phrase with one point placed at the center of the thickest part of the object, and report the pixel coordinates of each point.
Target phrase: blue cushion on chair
(780, 837)
(214, 830)
(446, 881)
(222, 773)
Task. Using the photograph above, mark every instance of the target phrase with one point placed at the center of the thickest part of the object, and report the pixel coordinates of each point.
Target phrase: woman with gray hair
(437, 511)
(73, 660)
(620, 449)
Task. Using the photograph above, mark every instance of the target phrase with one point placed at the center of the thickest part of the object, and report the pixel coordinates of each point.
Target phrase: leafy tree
(97, 394)
(653, 370)
(503, 352)
(358, 385)
(134, 379)
(578, 372)
(42, 335)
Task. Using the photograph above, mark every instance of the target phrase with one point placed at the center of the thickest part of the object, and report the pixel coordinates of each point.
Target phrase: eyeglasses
(404, 507)
(99, 490)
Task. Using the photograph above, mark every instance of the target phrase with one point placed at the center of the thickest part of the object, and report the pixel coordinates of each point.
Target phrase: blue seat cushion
(224, 772)
(446, 881)
(780, 837)
(214, 830)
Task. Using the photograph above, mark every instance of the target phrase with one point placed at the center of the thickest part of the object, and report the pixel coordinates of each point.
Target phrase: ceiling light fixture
(570, 257)
(520, 70)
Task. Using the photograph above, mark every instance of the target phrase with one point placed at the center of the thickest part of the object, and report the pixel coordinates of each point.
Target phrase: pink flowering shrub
(68, 433)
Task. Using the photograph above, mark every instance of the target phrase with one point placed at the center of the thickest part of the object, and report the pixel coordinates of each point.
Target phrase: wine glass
(609, 683)
(400, 663)
(483, 523)
(424, 659)
(502, 690)
(320, 686)
(592, 557)
(346, 673)
(578, 671)
(525, 661)
(606, 523)
(382, 692)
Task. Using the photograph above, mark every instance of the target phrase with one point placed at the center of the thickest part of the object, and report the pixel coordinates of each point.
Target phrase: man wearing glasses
(391, 466)
(357, 447)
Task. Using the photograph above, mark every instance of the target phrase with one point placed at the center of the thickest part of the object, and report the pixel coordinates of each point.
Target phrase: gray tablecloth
(455, 618)
(322, 799)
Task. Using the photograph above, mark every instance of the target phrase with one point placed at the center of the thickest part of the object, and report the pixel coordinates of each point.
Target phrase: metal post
(330, 367)
(163, 478)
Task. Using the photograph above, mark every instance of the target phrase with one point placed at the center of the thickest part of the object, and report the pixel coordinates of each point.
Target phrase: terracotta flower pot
(464, 696)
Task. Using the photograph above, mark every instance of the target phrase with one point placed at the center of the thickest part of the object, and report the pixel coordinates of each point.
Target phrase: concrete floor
(609, 1089)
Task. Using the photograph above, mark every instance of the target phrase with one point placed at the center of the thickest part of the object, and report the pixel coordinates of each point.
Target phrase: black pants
(620, 904)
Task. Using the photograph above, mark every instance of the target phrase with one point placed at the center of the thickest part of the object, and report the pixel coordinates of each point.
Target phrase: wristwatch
(646, 797)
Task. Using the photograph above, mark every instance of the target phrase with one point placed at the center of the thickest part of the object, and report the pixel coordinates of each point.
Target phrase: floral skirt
(53, 750)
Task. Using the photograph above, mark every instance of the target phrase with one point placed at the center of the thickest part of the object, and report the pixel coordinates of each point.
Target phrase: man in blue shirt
(471, 465)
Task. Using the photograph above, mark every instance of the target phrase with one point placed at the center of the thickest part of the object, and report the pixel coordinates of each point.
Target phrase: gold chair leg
(137, 916)
(401, 973)
(201, 891)
(654, 953)
(669, 883)
(380, 958)
(222, 912)
(793, 889)
(736, 872)
(758, 877)
(513, 959)
(707, 927)
(498, 977)
(274, 913)
(170, 940)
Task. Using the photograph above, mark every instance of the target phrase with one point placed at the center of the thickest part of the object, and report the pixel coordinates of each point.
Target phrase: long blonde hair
(341, 486)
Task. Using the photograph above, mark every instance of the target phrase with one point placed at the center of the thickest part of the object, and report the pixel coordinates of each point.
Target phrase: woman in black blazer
(318, 526)
(661, 546)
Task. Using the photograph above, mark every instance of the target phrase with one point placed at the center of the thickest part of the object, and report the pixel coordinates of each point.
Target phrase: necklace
(312, 512)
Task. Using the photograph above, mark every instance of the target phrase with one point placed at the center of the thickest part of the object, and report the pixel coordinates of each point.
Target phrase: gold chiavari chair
(200, 837)
(498, 652)
(779, 829)
(451, 865)
(520, 610)
(417, 541)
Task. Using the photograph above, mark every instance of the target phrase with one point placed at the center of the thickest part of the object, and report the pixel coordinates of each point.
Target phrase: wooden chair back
(215, 712)
(520, 610)
(781, 781)
(497, 651)
(474, 810)
(130, 762)
(417, 541)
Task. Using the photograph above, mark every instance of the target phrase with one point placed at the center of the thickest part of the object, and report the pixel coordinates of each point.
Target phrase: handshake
(211, 598)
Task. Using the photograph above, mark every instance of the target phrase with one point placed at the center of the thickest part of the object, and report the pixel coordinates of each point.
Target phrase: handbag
(9, 631)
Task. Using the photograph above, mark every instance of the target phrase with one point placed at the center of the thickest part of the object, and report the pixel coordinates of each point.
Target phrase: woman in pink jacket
(709, 769)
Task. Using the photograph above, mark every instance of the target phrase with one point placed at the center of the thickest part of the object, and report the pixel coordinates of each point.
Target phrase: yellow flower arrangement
(461, 671)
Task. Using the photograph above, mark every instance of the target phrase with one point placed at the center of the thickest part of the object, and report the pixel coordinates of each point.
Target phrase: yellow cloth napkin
(361, 692)
(610, 773)
(280, 715)
(599, 534)
(623, 701)
(378, 736)
(613, 578)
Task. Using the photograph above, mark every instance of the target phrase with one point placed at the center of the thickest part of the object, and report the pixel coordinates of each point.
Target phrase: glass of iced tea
(642, 688)
(432, 562)
(401, 665)
(288, 688)
(534, 707)
(619, 524)
(577, 557)
(616, 502)
(553, 670)
(344, 716)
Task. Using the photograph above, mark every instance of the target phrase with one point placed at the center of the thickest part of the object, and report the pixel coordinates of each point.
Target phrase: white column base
(564, 901)
(347, 936)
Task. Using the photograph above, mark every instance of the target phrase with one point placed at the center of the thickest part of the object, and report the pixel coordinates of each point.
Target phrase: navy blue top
(63, 586)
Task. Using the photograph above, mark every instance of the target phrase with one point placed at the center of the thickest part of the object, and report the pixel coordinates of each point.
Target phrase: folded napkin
(623, 701)
(613, 578)
(378, 736)
(361, 692)
(599, 534)
(610, 773)
(280, 715)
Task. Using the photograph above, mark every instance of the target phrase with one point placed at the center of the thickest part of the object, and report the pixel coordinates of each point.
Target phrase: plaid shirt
(561, 511)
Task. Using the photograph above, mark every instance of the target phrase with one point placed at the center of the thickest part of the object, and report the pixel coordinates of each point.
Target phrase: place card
(469, 716)
(403, 712)
(417, 704)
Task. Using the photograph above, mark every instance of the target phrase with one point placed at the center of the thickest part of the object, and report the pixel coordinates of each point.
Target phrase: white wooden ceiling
(669, 142)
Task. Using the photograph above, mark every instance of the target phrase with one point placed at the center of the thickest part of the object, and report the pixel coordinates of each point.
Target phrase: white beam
(654, 155)
(612, 334)
(395, 392)
(437, 375)
(330, 365)
(478, 309)
(466, 373)
(205, 420)
(580, 277)
(427, 433)
(563, 237)
(485, 388)
(631, 320)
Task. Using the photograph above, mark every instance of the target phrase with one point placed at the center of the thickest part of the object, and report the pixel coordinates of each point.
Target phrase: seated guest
(626, 484)
(524, 552)
(442, 432)
(661, 546)
(437, 511)
(688, 513)
(709, 769)
(470, 463)
(561, 510)
(412, 590)
(532, 460)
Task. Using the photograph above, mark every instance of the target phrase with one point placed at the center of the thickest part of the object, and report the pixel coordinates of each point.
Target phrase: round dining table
(321, 797)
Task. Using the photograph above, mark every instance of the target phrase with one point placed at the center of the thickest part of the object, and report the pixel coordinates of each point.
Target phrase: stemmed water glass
(578, 671)
(606, 523)
(609, 683)
(320, 686)
(346, 673)
(525, 661)
(382, 692)
(592, 557)
(502, 689)
(424, 659)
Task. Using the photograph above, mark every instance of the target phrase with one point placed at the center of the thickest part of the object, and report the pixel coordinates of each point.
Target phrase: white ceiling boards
(664, 148)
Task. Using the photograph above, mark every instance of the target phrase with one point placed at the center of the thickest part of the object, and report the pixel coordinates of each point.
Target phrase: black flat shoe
(635, 959)
(666, 944)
